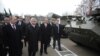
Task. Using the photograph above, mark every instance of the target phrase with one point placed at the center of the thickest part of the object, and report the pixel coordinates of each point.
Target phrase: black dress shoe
(53, 47)
(46, 52)
(40, 54)
(60, 50)
(49, 45)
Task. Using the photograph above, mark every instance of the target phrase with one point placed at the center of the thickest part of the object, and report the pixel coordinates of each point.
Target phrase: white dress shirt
(13, 26)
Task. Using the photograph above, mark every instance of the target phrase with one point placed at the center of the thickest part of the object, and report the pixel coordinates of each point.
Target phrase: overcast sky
(41, 7)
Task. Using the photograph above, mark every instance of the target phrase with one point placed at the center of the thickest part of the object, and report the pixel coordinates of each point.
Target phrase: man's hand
(22, 40)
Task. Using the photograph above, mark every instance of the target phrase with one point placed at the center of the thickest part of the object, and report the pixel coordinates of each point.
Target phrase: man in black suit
(6, 47)
(22, 27)
(14, 36)
(1, 41)
(57, 32)
(32, 35)
(45, 29)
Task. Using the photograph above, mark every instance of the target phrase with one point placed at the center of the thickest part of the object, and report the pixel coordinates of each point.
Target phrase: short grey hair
(33, 19)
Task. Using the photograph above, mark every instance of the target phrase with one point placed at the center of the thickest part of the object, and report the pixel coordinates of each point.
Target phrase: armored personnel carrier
(86, 31)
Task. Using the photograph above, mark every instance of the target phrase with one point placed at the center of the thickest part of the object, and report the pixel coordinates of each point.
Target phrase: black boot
(60, 49)
(40, 53)
(46, 52)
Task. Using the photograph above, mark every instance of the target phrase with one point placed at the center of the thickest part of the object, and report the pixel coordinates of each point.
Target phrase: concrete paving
(79, 50)
(51, 52)
(69, 49)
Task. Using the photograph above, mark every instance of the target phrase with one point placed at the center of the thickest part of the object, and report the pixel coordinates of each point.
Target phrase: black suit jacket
(45, 32)
(5, 39)
(1, 35)
(22, 27)
(55, 30)
(12, 36)
(32, 35)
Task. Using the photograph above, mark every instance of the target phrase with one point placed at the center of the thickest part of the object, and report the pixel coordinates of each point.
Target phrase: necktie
(14, 27)
(45, 25)
(57, 28)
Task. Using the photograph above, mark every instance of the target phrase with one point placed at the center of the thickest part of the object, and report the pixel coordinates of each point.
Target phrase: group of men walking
(14, 31)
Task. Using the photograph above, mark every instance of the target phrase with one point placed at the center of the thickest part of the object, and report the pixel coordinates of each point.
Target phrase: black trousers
(31, 52)
(1, 50)
(49, 42)
(57, 38)
(5, 51)
(44, 46)
(15, 51)
(25, 42)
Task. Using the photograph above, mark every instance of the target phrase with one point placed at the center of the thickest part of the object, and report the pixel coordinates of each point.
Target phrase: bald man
(13, 35)
(32, 35)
